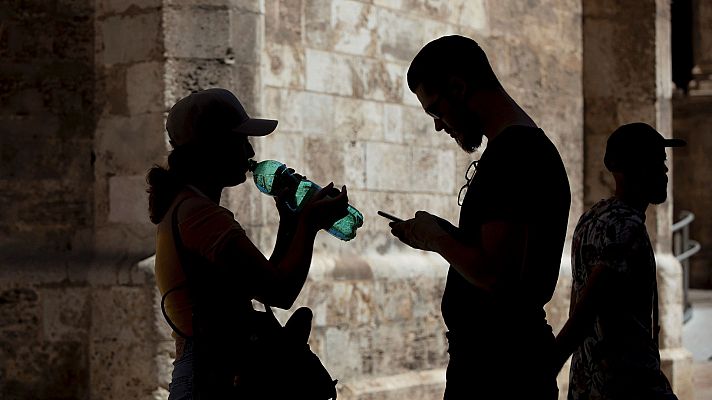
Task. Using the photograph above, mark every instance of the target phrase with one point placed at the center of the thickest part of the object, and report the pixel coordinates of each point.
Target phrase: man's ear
(457, 87)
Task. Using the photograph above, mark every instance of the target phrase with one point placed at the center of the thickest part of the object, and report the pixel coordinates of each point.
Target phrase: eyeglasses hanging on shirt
(469, 175)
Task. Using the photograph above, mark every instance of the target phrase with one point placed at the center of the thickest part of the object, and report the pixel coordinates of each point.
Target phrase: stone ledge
(416, 385)
(676, 364)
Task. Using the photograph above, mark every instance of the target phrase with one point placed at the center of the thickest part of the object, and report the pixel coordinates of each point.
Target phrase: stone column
(627, 78)
(692, 117)
(702, 47)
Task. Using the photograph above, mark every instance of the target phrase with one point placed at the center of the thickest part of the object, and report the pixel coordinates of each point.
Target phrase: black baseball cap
(209, 112)
(633, 143)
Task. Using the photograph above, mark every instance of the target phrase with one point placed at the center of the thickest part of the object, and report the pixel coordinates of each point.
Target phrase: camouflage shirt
(619, 358)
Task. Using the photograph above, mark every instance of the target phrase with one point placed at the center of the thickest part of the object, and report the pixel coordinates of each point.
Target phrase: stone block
(109, 7)
(433, 29)
(442, 205)
(285, 147)
(413, 385)
(471, 14)
(354, 153)
(430, 165)
(284, 66)
(246, 33)
(122, 314)
(44, 370)
(250, 6)
(431, 9)
(354, 28)
(356, 119)
(395, 35)
(419, 129)
(329, 73)
(20, 314)
(145, 88)
(317, 24)
(287, 106)
(388, 167)
(669, 275)
(247, 84)
(130, 38)
(122, 370)
(341, 352)
(186, 76)
(284, 21)
(318, 114)
(197, 33)
(676, 363)
(129, 145)
(378, 80)
(392, 123)
(65, 314)
(128, 199)
(324, 161)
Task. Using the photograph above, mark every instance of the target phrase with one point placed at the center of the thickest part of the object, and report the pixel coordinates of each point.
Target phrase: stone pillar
(702, 47)
(627, 78)
(692, 121)
(128, 140)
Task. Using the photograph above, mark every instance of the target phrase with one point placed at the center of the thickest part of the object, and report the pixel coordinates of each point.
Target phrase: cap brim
(256, 127)
(674, 143)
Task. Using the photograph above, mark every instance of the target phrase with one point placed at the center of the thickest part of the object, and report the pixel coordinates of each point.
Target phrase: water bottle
(264, 174)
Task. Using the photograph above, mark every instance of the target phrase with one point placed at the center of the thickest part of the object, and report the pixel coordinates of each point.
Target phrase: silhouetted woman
(206, 267)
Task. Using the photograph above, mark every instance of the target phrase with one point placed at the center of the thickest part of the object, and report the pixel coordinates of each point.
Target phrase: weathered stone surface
(283, 21)
(353, 24)
(388, 167)
(129, 38)
(210, 36)
(356, 119)
(329, 73)
(427, 166)
(284, 66)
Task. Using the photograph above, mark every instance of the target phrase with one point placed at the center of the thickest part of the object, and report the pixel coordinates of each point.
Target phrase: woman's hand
(326, 207)
(287, 217)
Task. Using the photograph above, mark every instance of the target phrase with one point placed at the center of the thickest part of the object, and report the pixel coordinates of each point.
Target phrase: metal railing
(683, 249)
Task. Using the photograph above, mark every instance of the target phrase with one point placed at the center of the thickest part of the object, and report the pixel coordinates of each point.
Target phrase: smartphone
(389, 216)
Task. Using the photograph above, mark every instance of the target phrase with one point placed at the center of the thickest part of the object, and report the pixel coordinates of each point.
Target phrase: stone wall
(691, 117)
(693, 122)
(333, 73)
(47, 119)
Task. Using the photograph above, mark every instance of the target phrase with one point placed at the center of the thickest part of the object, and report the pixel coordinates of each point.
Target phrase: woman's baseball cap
(210, 113)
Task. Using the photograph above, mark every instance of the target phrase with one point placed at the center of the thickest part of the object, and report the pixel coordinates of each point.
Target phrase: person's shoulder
(193, 204)
(614, 220)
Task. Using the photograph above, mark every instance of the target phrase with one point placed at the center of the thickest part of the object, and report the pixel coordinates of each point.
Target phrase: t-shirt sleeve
(208, 228)
(621, 239)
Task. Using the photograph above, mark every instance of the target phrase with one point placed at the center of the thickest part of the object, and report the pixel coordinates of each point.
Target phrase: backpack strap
(182, 256)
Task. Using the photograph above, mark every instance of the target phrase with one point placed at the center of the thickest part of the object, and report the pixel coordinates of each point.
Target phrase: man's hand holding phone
(420, 232)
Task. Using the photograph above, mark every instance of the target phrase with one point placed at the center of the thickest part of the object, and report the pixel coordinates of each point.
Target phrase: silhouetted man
(506, 251)
(613, 322)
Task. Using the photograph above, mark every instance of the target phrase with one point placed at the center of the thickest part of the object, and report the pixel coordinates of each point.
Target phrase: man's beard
(472, 132)
(470, 141)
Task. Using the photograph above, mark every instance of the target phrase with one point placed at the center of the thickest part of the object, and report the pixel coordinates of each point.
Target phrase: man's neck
(499, 111)
(632, 200)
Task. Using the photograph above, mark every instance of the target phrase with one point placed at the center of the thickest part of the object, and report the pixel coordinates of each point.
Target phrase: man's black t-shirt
(520, 178)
